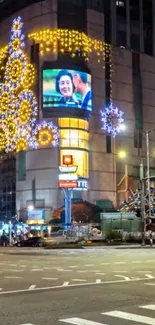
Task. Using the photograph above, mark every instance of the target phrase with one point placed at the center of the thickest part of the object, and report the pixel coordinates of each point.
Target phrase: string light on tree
(3, 137)
(29, 78)
(21, 144)
(27, 108)
(6, 101)
(16, 70)
(112, 120)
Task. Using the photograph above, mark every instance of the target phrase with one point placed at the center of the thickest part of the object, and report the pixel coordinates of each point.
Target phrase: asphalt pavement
(79, 287)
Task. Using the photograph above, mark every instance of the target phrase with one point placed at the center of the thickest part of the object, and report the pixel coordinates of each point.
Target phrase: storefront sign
(82, 185)
(65, 184)
(67, 160)
(68, 177)
(35, 214)
(68, 169)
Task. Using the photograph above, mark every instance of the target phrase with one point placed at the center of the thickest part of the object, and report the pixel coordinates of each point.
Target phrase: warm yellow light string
(65, 40)
(72, 41)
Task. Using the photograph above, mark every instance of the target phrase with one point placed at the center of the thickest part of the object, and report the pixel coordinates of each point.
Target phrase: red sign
(67, 160)
(65, 184)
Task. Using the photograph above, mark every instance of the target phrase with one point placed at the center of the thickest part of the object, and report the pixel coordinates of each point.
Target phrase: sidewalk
(138, 246)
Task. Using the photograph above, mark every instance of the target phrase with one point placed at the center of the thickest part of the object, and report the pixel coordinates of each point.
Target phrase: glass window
(86, 125)
(73, 123)
(81, 124)
(74, 138)
(64, 138)
(80, 158)
(97, 5)
(63, 122)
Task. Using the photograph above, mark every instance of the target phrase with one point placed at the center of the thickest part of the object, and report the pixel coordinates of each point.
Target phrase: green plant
(113, 235)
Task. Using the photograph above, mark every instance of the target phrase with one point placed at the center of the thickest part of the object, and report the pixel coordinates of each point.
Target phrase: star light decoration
(112, 120)
(18, 105)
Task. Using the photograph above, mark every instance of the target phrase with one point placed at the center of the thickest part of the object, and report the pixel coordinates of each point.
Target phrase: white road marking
(13, 264)
(36, 270)
(71, 285)
(131, 317)
(63, 270)
(150, 284)
(49, 278)
(32, 287)
(120, 263)
(144, 271)
(65, 284)
(13, 277)
(89, 264)
(150, 261)
(150, 307)
(79, 321)
(27, 324)
(126, 278)
(98, 281)
(80, 280)
(73, 266)
(120, 271)
(149, 276)
(98, 273)
(136, 262)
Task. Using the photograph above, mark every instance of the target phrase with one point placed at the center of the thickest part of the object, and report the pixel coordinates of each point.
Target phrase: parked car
(31, 242)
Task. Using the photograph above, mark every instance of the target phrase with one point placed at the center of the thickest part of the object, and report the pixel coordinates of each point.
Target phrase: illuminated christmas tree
(19, 129)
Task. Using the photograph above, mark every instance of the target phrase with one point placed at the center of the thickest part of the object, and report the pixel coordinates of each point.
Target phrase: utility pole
(143, 219)
(148, 171)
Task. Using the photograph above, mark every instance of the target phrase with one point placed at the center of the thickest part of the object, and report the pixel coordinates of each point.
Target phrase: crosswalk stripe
(150, 307)
(79, 321)
(131, 317)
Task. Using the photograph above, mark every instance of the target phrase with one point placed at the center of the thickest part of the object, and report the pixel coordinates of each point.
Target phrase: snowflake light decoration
(44, 134)
(112, 120)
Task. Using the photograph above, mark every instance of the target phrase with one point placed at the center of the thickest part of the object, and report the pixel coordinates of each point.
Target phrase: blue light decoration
(112, 120)
(43, 134)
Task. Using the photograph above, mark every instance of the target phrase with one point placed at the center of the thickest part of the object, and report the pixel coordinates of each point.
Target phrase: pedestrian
(151, 239)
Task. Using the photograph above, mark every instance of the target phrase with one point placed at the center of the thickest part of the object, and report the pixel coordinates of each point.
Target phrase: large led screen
(67, 89)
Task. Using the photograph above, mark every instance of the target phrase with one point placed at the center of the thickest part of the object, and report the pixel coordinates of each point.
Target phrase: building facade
(126, 77)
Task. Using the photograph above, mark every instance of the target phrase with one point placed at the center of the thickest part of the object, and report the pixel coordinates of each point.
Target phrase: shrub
(113, 235)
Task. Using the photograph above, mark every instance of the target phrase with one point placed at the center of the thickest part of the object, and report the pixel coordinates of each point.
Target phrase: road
(80, 287)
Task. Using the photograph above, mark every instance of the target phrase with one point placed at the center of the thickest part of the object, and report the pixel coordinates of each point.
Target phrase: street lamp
(30, 208)
(122, 154)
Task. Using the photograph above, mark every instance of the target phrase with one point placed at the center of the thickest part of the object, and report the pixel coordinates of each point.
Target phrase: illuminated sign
(68, 169)
(61, 89)
(67, 160)
(65, 184)
(82, 185)
(36, 214)
(68, 177)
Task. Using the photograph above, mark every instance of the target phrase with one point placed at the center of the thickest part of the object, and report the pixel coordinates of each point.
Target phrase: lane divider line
(72, 285)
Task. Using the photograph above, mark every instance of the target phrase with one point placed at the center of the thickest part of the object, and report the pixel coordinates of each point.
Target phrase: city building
(124, 76)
